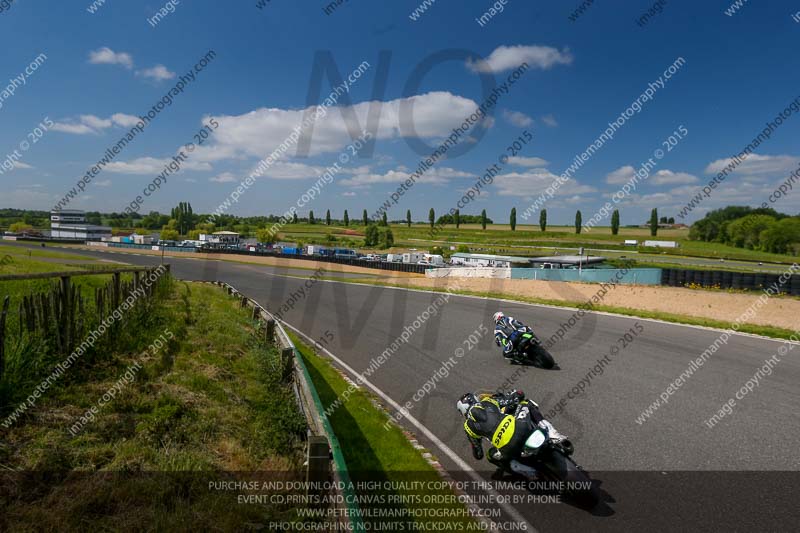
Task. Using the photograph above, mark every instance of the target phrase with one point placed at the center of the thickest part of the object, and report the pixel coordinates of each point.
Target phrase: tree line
(762, 229)
(183, 221)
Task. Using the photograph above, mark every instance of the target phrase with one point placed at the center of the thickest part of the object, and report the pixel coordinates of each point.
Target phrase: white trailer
(661, 244)
(314, 249)
(412, 257)
(433, 259)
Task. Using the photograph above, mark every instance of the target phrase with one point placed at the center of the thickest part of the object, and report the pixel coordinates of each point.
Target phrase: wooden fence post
(269, 336)
(319, 462)
(65, 311)
(3, 314)
(287, 360)
(116, 297)
(243, 302)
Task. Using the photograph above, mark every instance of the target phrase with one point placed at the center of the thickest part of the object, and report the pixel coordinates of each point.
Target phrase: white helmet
(497, 316)
(465, 403)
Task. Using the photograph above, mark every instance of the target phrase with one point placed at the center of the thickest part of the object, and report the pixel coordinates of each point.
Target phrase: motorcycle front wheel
(578, 485)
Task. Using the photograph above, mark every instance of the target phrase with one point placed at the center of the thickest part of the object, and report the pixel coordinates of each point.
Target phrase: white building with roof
(71, 224)
(220, 237)
(489, 260)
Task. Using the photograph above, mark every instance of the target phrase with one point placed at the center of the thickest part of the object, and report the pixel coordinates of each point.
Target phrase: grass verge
(375, 454)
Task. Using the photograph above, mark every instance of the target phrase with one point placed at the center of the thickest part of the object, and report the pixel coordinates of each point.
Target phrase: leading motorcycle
(530, 349)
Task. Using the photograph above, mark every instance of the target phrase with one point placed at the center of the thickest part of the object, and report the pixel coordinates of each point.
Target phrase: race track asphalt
(669, 472)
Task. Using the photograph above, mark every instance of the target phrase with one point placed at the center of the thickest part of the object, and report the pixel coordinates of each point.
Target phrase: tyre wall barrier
(723, 279)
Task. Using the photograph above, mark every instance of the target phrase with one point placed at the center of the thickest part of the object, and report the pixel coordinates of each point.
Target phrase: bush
(19, 227)
(712, 227)
(745, 232)
(386, 239)
(783, 237)
(266, 236)
(371, 235)
(169, 235)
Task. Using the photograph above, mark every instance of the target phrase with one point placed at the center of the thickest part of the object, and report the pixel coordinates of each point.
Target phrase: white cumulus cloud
(527, 161)
(550, 121)
(107, 56)
(516, 118)
(621, 175)
(432, 176)
(668, 177)
(225, 177)
(85, 124)
(158, 73)
(152, 165)
(534, 182)
(509, 57)
(756, 164)
(259, 132)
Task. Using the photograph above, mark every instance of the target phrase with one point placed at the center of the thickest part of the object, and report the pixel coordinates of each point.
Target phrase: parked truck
(344, 253)
(315, 249)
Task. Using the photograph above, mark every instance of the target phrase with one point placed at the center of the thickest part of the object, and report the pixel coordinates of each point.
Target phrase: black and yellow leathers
(506, 420)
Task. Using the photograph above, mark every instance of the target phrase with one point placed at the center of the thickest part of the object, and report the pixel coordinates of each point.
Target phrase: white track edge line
(416, 423)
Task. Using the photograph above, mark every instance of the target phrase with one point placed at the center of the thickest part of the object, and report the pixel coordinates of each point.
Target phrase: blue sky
(102, 69)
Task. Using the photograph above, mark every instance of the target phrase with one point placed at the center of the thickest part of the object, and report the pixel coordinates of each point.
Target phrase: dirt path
(782, 312)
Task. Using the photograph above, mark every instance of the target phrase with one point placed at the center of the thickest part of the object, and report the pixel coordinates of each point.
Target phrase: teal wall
(639, 276)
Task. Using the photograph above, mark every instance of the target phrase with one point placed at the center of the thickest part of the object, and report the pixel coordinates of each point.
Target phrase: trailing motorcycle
(553, 461)
(530, 350)
(545, 455)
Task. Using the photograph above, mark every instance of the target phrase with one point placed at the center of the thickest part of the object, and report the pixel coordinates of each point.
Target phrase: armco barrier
(724, 279)
(322, 441)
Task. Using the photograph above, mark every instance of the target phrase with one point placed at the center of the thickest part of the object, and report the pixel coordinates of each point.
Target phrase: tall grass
(31, 356)
(207, 407)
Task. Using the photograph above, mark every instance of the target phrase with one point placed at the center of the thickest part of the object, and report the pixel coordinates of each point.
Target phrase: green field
(33, 253)
(530, 240)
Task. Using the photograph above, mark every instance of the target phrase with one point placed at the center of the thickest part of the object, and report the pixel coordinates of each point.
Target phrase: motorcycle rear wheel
(537, 354)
